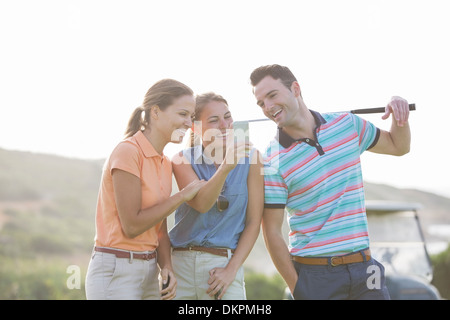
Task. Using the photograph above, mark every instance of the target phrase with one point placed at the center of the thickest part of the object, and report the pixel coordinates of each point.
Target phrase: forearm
(164, 248)
(208, 194)
(164, 257)
(245, 244)
(222, 277)
(281, 257)
(401, 138)
(128, 197)
(397, 141)
(150, 217)
(255, 183)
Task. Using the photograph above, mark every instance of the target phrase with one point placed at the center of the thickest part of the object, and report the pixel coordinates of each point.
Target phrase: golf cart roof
(390, 206)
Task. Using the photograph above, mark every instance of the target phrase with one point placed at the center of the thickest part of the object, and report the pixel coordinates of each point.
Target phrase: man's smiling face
(278, 103)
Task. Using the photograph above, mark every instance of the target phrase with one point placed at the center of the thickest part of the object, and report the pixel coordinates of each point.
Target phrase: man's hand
(399, 108)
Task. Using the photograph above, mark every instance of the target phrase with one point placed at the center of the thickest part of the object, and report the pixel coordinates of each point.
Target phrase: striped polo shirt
(319, 184)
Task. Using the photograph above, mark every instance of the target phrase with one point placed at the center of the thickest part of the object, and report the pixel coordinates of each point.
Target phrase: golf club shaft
(412, 107)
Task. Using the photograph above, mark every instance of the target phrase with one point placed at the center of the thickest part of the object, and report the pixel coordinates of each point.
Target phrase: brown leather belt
(127, 254)
(336, 260)
(216, 251)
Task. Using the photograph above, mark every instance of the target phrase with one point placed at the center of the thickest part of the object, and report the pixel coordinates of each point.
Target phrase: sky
(71, 72)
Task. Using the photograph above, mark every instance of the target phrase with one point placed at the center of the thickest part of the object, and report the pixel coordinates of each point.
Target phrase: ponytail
(136, 122)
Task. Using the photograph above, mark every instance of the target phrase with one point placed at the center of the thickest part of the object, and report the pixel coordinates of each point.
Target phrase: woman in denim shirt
(215, 231)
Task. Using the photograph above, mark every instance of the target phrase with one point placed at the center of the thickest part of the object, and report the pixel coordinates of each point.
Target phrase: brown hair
(275, 71)
(161, 94)
(200, 102)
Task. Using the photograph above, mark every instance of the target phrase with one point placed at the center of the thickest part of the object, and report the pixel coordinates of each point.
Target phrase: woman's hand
(235, 151)
(168, 278)
(191, 190)
(219, 281)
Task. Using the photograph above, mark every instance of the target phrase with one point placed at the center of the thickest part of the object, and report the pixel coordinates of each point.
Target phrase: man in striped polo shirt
(312, 170)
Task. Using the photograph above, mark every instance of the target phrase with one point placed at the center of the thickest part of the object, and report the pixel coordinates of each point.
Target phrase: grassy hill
(47, 208)
(47, 211)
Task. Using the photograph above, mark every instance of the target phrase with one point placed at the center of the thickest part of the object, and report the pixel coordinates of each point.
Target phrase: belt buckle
(146, 256)
(334, 264)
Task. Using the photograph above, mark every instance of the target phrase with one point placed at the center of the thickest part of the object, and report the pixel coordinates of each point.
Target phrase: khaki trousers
(112, 278)
(192, 268)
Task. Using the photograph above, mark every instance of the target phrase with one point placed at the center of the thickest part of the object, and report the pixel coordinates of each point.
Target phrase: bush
(37, 279)
(262, 287)
(441, 274)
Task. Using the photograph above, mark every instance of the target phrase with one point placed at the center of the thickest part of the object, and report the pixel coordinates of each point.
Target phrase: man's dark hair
(275, 71)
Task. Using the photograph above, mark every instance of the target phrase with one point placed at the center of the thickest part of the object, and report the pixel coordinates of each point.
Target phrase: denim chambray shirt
(213, 228)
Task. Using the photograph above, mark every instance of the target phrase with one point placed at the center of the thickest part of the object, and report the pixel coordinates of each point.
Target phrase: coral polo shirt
(137, 156)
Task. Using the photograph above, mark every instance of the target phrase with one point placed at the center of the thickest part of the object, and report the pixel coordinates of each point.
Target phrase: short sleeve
(275, 188)
(368, 133)
(126, 157)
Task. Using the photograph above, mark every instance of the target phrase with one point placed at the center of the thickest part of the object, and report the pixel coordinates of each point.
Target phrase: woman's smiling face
(176, 119)
(216, 121)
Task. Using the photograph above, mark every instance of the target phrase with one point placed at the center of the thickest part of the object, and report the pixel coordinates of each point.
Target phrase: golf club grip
(412, 107)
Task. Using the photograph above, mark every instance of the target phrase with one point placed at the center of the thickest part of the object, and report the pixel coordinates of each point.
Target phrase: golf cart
(397, 241)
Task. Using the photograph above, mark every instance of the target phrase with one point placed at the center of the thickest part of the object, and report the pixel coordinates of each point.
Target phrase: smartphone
(164, 286)
(241, 132)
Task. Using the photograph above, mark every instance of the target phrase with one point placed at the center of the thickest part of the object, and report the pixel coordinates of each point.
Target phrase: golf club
(412, 107)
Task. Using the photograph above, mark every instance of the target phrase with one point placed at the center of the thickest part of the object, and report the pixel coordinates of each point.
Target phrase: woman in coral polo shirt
(131, 242)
